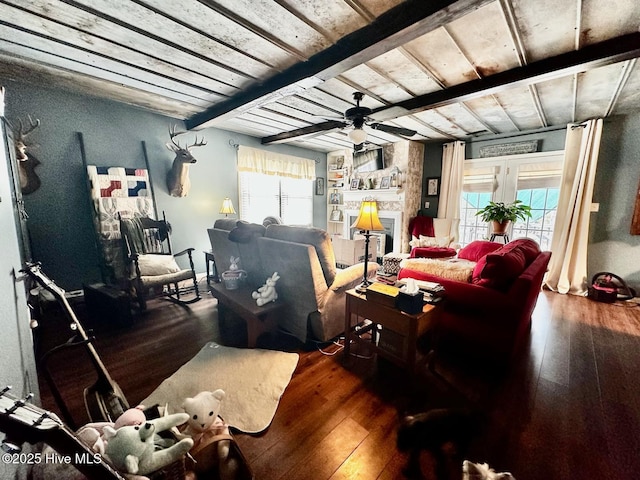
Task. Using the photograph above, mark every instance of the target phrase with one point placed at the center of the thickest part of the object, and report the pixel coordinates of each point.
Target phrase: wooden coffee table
(397, 340)
(259, 320)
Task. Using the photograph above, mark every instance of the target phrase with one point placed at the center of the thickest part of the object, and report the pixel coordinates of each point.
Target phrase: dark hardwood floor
(569, 408)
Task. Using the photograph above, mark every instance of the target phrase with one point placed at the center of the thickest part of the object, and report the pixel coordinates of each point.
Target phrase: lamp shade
(368, 216)
(227, 207)
(357, 136)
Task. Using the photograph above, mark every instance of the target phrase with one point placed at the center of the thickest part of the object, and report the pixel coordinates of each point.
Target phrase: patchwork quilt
(117, 192)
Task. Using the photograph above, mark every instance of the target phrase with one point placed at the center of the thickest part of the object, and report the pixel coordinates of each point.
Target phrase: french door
(533, 178)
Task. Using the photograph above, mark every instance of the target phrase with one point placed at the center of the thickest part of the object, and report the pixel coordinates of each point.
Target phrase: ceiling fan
(356, 117)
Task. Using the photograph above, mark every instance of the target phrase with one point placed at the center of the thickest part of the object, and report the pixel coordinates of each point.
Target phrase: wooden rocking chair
(150, 264)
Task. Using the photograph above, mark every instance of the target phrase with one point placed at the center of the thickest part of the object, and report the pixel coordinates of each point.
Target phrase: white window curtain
(451, 183)
(568, 266)
(269, 163)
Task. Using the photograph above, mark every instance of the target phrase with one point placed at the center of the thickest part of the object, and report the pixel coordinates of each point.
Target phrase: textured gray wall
(59, 215)
(611, 247)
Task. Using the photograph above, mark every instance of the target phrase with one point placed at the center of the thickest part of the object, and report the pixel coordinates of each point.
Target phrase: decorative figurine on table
(232, 277)
(267, 292)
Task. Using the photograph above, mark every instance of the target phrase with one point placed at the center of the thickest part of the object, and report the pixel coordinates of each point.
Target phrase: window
(273, 184)
(538, 186)
(262, 195)
(533, 178)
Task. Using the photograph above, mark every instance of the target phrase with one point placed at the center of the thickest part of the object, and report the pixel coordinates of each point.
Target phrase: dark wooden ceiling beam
(397, 26)
(597, 55)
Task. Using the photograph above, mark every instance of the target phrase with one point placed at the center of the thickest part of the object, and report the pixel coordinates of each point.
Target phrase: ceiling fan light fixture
(357, 136)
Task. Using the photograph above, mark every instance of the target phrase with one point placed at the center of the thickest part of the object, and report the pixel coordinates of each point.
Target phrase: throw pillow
(499, 269)
(153, 265)
(478, 249)
(424, 241)
(528, 247)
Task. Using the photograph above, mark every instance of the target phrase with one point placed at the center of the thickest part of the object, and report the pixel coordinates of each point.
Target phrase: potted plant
(500, 214)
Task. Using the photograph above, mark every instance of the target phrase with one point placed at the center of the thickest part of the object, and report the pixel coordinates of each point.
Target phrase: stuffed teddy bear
(267, 292)
(208, 430)
(131, 448)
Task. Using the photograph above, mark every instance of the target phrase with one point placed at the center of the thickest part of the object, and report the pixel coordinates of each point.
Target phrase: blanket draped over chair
(117, 192)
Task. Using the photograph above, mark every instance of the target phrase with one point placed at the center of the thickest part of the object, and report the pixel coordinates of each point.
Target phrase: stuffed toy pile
(134, 447)
(131, 444)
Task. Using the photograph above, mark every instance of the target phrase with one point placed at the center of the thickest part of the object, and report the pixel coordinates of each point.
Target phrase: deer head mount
(178, 182)
(29, 180)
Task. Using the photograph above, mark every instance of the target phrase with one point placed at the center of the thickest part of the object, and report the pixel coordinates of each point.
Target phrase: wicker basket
(174, 471)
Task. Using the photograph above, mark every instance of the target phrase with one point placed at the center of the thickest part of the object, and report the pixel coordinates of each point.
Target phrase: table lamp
(367, 220)
(227, 207)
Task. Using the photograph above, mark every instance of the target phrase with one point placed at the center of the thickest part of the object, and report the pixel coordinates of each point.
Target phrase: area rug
(253, 380)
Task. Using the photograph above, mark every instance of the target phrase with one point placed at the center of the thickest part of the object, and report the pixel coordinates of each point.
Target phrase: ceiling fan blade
(405, 132)
(304, 132)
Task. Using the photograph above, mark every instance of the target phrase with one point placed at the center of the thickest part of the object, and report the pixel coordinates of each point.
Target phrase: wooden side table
(400, 330)
(259, 320)
(208, 259)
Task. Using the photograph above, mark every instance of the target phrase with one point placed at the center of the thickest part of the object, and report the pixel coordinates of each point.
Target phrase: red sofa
(491, 314)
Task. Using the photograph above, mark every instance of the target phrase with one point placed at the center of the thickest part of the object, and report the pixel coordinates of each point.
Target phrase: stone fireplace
(391, 221)
(396, 204)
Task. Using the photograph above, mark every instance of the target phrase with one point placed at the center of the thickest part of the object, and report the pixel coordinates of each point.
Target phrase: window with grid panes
(262, 195)
(534, 179)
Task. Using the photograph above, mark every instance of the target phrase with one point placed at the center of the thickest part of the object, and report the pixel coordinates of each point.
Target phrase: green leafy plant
(501, 212)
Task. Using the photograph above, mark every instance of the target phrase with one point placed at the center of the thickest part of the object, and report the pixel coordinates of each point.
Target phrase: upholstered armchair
(433, 237)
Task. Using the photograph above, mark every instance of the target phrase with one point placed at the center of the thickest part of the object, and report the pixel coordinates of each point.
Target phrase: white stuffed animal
(267, 292)
(210, 434)
(131, 448)
(233, 263)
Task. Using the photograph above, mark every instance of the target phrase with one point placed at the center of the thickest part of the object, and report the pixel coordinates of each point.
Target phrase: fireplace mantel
(382, 195)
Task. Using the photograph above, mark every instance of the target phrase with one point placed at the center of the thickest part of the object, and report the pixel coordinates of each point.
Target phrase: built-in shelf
(337, 180)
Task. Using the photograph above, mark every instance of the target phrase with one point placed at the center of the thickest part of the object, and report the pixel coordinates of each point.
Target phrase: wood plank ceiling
(446, 69)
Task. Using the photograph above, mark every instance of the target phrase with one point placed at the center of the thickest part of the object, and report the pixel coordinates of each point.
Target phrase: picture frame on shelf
(355, 184)
(394, 180)
(334, 198)
(319, 185)
(432, 186)
(339, 162)
(336, 215)
(385, 182)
